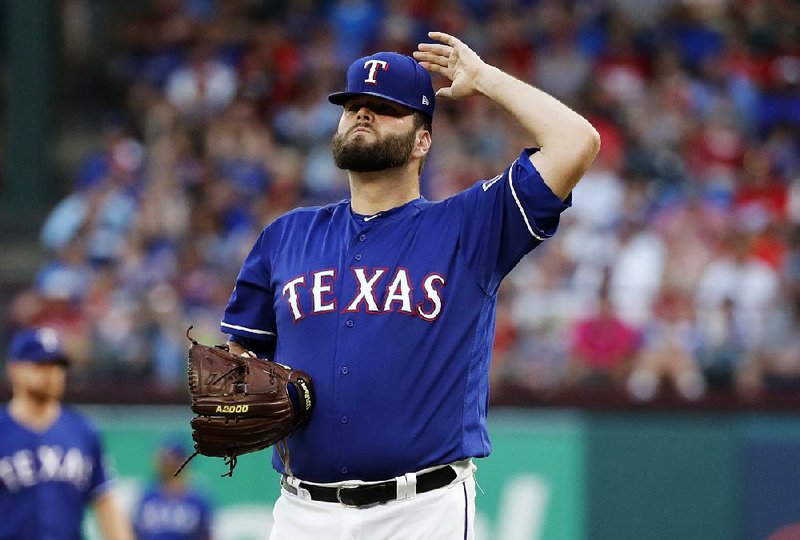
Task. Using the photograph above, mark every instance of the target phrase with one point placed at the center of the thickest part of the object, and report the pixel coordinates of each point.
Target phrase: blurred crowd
(677, 267)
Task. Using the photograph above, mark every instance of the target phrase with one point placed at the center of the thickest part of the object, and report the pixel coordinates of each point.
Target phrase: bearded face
(353, 152)
(40, 382)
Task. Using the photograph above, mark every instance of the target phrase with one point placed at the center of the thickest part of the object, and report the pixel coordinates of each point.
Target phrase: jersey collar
(403, 210)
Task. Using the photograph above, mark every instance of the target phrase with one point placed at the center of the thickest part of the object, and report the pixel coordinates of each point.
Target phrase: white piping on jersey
(490, 183)
(251, 330)
(519, 205)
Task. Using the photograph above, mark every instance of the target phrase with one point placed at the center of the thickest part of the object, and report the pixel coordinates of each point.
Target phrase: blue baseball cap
(172, 446)
(38, 345)
(390, 76)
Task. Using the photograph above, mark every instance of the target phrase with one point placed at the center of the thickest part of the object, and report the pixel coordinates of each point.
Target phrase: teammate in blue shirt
(170, 509)
(51, 459)
(388, 300)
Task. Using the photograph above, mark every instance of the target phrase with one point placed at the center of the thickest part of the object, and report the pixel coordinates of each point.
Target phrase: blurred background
(646, 375)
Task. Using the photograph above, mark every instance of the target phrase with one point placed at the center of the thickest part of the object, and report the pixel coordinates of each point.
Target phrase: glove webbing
(185, 463)
(230, 461)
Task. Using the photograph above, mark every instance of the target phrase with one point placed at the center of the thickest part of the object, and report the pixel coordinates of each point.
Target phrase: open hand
(453, 59)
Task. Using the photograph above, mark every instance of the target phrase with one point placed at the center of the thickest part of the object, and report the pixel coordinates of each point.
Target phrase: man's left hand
(456, 61)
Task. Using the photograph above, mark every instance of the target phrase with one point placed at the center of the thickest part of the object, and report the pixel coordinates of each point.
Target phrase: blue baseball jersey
(393, 317)
(165, 515)
(48, 478)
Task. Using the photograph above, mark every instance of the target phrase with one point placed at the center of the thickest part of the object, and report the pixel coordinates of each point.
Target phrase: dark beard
(386, 153)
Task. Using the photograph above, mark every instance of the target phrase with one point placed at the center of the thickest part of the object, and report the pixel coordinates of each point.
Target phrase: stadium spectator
(738, 277)
(668, 352)
(603, 347)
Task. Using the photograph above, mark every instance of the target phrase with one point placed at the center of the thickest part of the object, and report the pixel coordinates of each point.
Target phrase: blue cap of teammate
(38, 345)
(173, 446)
(391, 76)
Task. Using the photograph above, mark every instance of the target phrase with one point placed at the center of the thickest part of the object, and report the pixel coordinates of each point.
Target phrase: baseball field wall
(554, 474)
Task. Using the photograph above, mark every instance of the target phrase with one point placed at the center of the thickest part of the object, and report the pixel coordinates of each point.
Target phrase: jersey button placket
(346, 337)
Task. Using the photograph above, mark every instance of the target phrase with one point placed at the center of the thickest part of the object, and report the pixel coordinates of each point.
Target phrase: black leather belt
(369, 494)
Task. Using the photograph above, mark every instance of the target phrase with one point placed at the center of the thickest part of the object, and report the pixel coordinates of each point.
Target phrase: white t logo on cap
(373, 69)
(48, 339)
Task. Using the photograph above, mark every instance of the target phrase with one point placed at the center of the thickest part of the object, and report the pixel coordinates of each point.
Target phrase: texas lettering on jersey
(377, 291)
(167, 515)
(47, 464)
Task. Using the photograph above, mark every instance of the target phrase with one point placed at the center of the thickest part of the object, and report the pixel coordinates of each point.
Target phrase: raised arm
(568, 143)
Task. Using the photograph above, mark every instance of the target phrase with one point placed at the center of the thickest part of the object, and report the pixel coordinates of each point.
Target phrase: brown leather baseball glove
(243, 404)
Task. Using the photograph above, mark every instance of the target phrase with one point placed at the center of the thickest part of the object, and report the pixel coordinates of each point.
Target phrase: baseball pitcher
(387, 300)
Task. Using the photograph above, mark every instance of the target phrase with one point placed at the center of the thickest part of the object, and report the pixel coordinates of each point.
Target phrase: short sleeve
(101, 476)
(250, 313)
(204, 528)
(506, 217)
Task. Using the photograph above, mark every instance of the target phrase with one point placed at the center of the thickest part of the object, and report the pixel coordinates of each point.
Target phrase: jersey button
(362, 237)
(344, 470)
(345, 419)
(357, 257)
(349, 323)
(345, 370)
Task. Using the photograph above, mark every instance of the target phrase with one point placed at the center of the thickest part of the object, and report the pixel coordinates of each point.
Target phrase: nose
(364, 113)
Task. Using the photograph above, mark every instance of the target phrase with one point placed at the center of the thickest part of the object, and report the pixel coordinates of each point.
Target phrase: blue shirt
(162, 515)
(393, 317)
(48, 478)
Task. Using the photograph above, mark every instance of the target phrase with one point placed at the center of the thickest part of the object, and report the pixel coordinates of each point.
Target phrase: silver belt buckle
(339, 494)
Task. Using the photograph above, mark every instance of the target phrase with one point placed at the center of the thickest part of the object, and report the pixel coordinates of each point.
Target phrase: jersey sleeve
(250, 314)
(137, 518)
(506, 217)
(101, 477)
(206, 513)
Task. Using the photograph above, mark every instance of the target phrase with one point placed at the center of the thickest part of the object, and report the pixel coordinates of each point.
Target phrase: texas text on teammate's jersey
(48, 478)
(165, 515)
(393, 317)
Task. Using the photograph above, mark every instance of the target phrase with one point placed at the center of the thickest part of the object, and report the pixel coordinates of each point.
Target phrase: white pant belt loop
(294, 483)
(406, 486)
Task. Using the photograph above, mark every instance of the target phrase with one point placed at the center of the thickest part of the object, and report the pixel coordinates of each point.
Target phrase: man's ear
(423, 144)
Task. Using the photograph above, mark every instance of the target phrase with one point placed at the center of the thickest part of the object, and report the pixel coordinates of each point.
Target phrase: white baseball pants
(447, 513)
